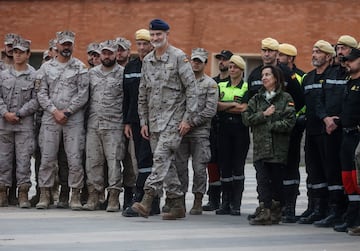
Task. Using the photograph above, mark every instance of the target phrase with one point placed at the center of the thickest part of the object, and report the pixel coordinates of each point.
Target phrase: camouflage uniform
(62, 87)
(196, 143)
(105, 138)
(271, 136)
(17, 95)
(167, 96)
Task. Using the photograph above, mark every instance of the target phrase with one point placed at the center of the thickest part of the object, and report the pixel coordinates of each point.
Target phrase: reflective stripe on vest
(231, 93)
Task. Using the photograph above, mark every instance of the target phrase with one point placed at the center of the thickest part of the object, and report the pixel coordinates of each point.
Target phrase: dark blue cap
(158, 24)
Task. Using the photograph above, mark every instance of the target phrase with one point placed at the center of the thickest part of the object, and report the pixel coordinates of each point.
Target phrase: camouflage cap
(93, 47)
(65, 36)
(110, 45)
(52, 43)
(199, 53)
(123, 42)
(21, 44)
(10, 37)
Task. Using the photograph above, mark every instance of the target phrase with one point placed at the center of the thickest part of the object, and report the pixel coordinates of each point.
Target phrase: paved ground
(56, 229)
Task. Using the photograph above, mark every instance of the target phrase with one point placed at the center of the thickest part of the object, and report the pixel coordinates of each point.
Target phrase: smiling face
(158, 38)
(268, 79)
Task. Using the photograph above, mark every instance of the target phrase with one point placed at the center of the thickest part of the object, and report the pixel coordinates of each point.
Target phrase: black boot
(214, 198)
(237, 191)
(318, 213)
(128, 197)
(290, 196)
(129, 212)
(226, 199)
(350, 217)
(310, 208)
(333, 217)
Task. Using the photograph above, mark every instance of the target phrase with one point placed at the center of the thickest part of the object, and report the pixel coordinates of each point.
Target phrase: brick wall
(213, 24)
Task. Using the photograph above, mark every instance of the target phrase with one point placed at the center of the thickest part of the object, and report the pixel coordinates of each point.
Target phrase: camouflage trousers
(129, 164)
(101, 146)
(198, 148)
(21, 146)
(74, 144)
(164, 145)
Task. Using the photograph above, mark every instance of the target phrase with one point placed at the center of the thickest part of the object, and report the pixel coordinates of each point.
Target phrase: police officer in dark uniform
(350, 122)
(214, 190)
(233, 137)
(132, 75)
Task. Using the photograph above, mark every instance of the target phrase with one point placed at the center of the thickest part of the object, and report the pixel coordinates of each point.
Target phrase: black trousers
(269, 181)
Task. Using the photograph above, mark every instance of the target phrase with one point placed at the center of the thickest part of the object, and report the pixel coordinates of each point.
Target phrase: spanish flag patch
(291, 104)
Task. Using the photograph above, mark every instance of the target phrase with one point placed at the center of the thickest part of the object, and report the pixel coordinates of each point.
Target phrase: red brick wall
(213, 24)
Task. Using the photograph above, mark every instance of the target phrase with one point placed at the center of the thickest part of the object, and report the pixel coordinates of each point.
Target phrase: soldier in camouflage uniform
(64, 91)
(167, 99)
(271, 115)
(8, 50)
(196, 142)
(105, 138)
(17, 106)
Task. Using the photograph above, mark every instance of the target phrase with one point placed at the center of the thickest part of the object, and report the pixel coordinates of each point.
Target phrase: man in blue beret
(167, 100)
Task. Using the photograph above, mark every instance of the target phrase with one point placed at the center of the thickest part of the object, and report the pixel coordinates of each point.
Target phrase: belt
(231, 119)
(351, 129)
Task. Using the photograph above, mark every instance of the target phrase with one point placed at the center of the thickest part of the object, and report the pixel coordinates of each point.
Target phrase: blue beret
(158, 24)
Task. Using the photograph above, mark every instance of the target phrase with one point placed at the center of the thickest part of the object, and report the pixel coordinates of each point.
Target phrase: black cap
(158, 24)
(225, 54)
(354, 54)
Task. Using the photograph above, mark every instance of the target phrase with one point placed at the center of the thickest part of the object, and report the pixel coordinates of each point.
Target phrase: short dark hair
(278, 74)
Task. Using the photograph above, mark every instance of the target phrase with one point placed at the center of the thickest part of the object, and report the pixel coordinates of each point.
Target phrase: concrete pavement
(63, 229)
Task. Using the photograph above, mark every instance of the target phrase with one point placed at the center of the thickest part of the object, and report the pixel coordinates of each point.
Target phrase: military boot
(289, 213)
(75, 202)
(128, 197)
(23, 191)
(257, 211)
(197, 208)
(332, 218)
(226, 200)
(275, 212)
(318, 213)
(129, 212)
(63, 197)
(177, 211)
(214, 198)
(3, 196)
(12, 199)
(237, 191)
(143, 208)
(310, 208)
(44, 201)
(167, 206)
(93, 199)
(155, 206)
(113, 203)
(350, 217)
(263, 218)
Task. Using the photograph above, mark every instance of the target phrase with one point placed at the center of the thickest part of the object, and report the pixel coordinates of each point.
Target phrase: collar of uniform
(163, 57)
(26, 72)
(238, 86)
(56, 62)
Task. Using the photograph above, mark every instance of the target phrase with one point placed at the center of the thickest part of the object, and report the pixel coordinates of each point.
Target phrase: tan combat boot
(44, 201)
(93, 199)
(23, 191)
(75, 203)
(63, 197)
(177, 211)
(167, 206)
(197, 207)
(113, 204)
(143, 208)
(263, 218)
(3, 196)
(276, 213)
